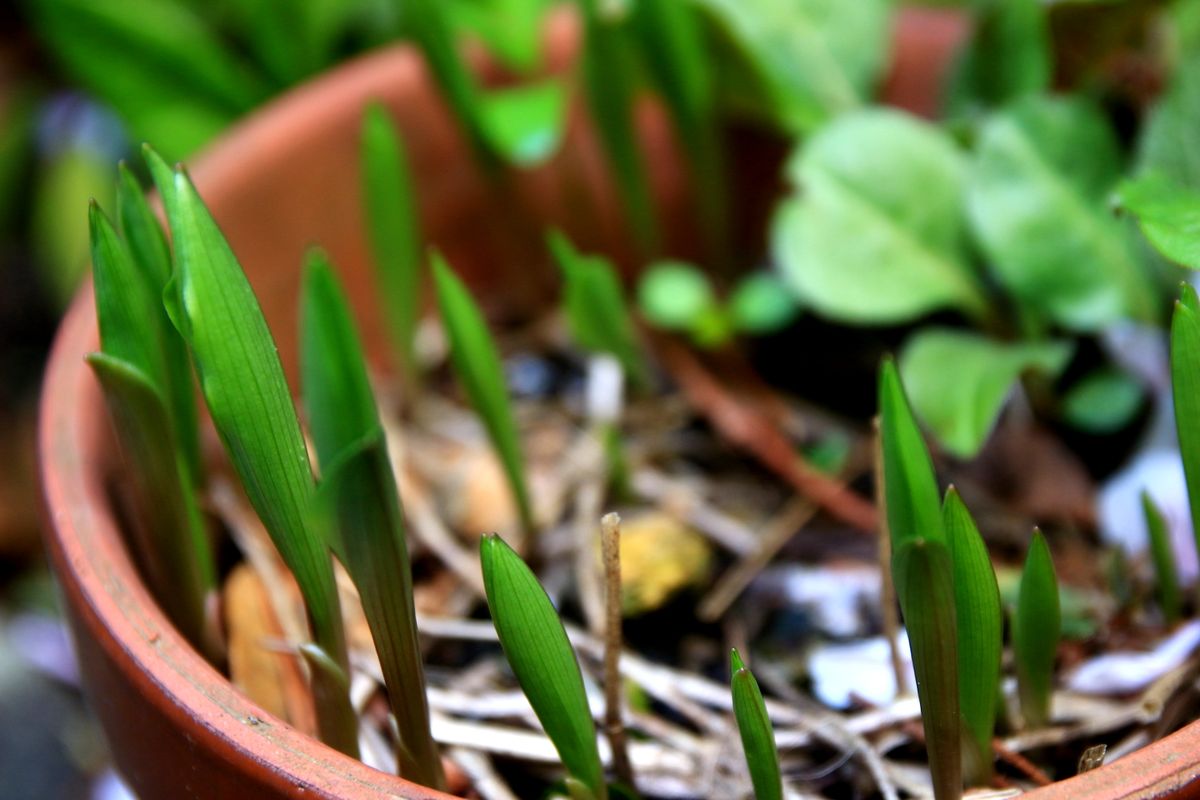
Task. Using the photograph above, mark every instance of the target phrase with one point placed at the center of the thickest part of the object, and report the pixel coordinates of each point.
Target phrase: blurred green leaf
(910, 488)
(1035, 634)
(979, 622)
(247, 395)
(754, 726)
(1168, 214)
(541, 657)
(808, 60)
(761, 303)
(1037, 201)
(357, 480)
(961, 405)
(609, 83)
(1009, 55)
(1185, 390)
(395, 236)
(925, 587)
(595, 305)
(148, 246)
(875, 235)
(1165, 572)
(672, 295)
(60, 241)
(525, 123)
(511, 29)
(1104, 401)
(1167, 140)
(477, 364)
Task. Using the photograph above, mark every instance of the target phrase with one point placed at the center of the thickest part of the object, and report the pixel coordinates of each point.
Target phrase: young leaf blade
(754, 727)
(247, 395)
(595, 305)
(1036, 630)
(1167, 583)
(536, 646)
(911, 495)
(392, 223)
(478, 367)
(980, 633)
(1185, 389)
(358, 482)
(925, 587)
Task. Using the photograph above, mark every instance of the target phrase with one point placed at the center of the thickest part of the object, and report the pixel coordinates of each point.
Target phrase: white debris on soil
(1127, 672)
(835, 596)
(843, 672)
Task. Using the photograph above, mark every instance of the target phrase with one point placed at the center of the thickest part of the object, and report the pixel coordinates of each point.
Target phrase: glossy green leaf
(243, 385)
(1038, 197)
(1185, 390)
(801, 62)
(910, 488)
(1036, 631)
(1009, 55)
(525, 124)
(172, 545)
(393, 227)
(754, 726)
(980, 630)
(875, 234)
(1167, 141)
(1166, 587)
(960, 406)
(477, 364)
(541, 657)
(148, 246)
(358, 482)
(609, 82)
(1168, 214)
(595, 305)
(924, 579)
(761, 303)
(672, 295)
(1104, 401)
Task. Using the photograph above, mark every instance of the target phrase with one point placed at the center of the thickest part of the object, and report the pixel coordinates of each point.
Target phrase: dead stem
(614, 727)
(887, 591)
(777, 532)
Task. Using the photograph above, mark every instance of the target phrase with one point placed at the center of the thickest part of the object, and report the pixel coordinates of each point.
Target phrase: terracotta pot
(285, 178)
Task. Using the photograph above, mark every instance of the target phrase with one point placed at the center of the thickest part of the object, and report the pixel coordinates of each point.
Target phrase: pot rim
(101, 585)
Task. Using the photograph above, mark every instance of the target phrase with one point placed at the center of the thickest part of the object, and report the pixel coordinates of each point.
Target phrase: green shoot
(1167, 583)
(1169, 216)
(135, 339)
(536, 646)
(924, 577)
(980, 632)
(247, 395)
(1185, 388)
(392, 223)
(595, 306)
(609, 82)
(754, 726)
(478, 366)
(331, 697)
(1036, 630)
(148, 246)
(357, 481)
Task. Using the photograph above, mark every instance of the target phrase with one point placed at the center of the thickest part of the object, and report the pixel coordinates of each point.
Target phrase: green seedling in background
(1167, 580)
(1036, 631)
(595, 305)
(610, 85)
(676, 296)
(536, 646)
(1169, 216)
(358, 485)
(754, 727)
(477, 364)
(133, 366)
(980, 632)
(1185, 388)
(924, 575)
(393, 228)
(243, 385)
